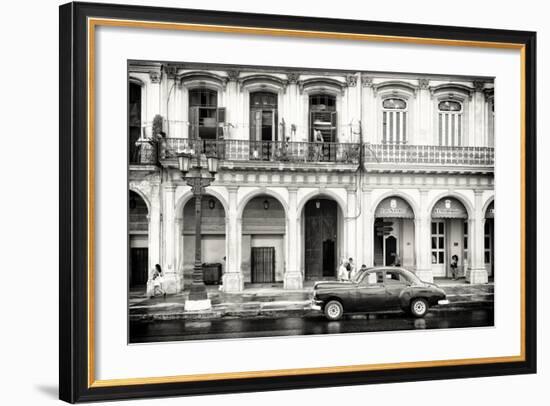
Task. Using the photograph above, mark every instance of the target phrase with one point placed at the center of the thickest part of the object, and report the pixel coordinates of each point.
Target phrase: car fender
(405, 297)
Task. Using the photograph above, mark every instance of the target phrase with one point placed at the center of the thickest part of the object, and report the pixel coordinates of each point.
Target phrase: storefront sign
(449, 208)
(394, 207)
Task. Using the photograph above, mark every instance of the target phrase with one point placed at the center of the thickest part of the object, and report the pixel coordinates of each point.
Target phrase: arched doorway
(263, 240)
(489, 239)
(449, 236)
(322, 228)
(139, 242)
(213, 247)
(394, 233)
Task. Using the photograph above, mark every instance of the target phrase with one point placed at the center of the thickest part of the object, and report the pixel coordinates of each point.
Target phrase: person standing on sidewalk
(157, 281)
(454, 266)
(343, 273)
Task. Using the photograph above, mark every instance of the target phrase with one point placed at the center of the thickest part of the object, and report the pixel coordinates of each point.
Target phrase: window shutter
(334, 126)
(220, 118)
(194, 122)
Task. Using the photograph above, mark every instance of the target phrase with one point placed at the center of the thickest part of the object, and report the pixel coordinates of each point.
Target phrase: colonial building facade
(315, 166)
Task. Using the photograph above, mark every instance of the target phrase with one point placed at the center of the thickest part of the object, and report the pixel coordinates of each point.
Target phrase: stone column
(293, 278)
(477, 272)
(232, 278)
(366, 248)
(424, 117)
(351, 222)
(422, 236)
(171, 278)
(154, 235)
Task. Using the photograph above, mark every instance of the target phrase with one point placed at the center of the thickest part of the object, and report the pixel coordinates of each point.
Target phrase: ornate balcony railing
(144, 153)
(428, 155)
(270, 151)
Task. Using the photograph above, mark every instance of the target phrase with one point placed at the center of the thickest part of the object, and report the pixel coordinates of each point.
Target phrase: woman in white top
(343, 274)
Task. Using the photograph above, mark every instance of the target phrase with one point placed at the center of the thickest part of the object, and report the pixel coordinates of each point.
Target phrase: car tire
(334, 310)
(418, 307)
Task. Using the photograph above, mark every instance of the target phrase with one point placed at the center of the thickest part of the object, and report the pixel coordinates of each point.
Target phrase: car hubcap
(333, 311)
(419, 307)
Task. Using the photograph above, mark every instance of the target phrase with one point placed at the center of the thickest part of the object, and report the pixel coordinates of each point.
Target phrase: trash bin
(212, 273)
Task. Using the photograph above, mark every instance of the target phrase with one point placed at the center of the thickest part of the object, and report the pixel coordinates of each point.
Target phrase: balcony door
(263, 125)
(206, 119)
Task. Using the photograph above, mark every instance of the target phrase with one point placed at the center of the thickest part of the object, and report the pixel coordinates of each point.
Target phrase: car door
(394, 283)
(371, 292)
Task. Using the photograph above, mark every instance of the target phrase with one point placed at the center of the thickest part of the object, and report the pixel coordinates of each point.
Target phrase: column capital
(292, 189)
(232, 189)
(478, 192)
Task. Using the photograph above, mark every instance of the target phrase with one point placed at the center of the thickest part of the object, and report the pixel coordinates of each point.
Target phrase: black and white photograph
(269, 201)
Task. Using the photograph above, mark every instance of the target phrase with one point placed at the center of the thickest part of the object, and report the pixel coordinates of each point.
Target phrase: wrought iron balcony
(144, 153)
(267, 151)
(396, 155)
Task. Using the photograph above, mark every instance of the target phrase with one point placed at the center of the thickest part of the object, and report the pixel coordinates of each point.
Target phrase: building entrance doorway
(139, 259)
(390, 248)
(263, 264)
(321, 220)
(394, 233)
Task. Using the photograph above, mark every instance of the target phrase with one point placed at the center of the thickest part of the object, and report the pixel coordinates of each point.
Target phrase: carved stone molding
(293, 77)
(479, 85)
(424, 84)
(154, 76)
(366, 81)
(233, 75)
(351, 80)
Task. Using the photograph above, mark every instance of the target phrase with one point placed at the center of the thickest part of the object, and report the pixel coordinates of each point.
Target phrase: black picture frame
(74, 380)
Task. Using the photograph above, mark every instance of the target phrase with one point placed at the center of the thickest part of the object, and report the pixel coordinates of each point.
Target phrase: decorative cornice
(395, 85)
(451, 88)
(322, 84)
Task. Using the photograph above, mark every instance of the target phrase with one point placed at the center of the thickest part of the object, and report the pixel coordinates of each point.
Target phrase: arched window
(394, 121)
(450, 123)
(322, 117)
(205, 118)
(263, 116)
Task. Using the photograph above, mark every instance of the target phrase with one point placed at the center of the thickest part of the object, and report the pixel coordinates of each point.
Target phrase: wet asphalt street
(184, 330)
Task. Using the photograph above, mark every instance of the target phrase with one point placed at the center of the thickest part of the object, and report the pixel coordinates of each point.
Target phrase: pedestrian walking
(454, 266)
(158, 278)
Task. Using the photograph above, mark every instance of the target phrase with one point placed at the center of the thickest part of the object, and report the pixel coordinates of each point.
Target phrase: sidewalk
(272, 301)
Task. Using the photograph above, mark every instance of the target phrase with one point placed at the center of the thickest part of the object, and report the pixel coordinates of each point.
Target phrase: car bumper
(443, 302)
(316, 305)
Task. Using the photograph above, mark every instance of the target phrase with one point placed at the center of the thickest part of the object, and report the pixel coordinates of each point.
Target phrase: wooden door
(139, 259)
(320, 238)
(263, 264)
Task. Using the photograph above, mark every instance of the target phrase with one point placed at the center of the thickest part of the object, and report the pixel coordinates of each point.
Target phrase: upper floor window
(263, 116)
(322, 118)
(206, 119)
(394, 121)
(134, 120)
(450, 123)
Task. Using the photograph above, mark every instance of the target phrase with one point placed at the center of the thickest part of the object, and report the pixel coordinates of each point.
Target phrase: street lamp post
(198, 179)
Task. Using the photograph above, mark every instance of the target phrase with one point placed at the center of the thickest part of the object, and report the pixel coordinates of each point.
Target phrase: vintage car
(376, 289)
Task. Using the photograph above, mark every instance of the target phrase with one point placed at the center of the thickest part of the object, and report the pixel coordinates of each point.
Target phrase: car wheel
(334, 310)
(419, 307)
